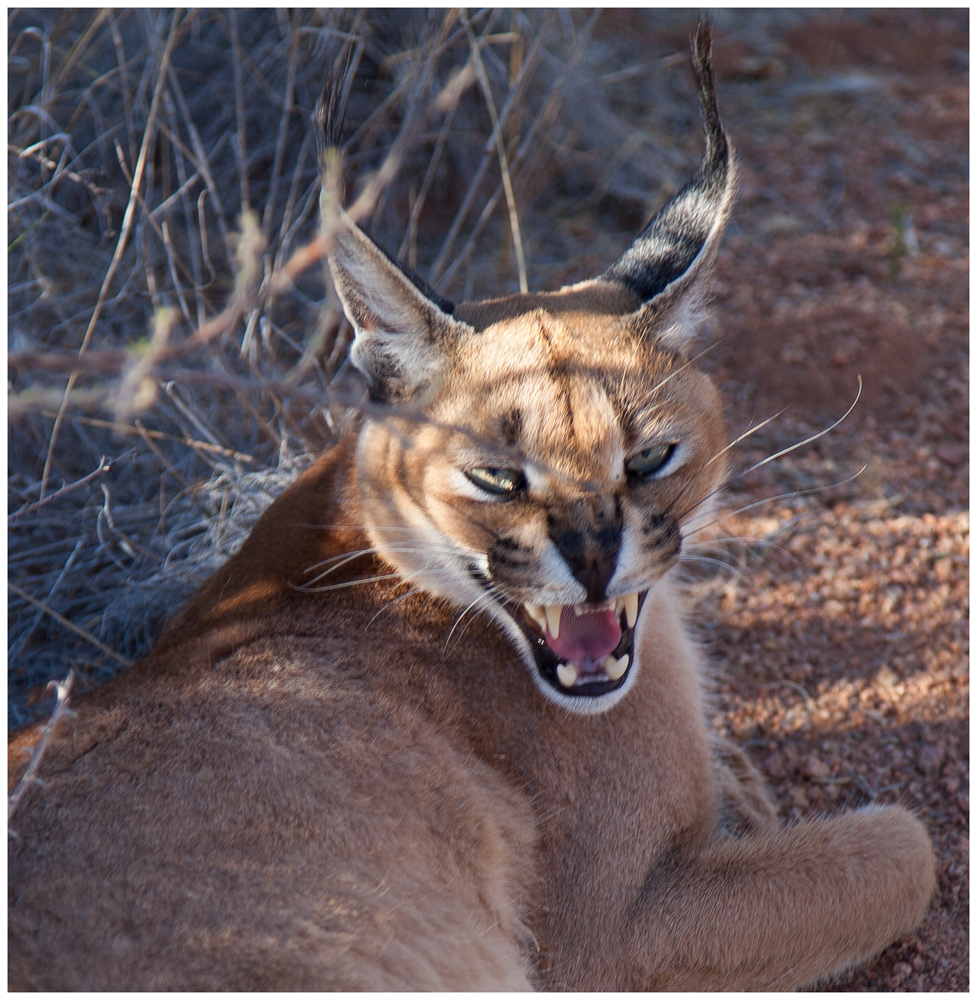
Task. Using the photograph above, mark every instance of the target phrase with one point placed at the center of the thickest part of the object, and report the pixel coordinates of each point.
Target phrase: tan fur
(342, 767)
(320, 790)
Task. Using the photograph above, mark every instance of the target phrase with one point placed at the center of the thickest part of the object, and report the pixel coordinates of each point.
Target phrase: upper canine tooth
(631, 608)
(536, 613)
(567, 672)
(553, 612)
(615, 668)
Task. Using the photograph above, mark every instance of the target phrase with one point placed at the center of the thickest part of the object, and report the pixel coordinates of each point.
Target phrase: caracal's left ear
(664, 265)
(403, 328)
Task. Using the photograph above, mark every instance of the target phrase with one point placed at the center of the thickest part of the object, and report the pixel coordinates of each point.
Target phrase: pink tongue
(590, 636)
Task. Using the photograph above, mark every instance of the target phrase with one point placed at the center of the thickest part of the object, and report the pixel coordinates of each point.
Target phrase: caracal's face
(562, 459)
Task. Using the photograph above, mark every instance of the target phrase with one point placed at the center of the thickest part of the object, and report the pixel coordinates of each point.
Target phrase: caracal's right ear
(403, 327)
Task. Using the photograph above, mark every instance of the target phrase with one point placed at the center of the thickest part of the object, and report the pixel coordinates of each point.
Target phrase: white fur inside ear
(398, 329)
(683, 322)
(414, 360)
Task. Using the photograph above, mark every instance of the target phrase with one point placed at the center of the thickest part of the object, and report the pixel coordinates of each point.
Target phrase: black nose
(591, 555)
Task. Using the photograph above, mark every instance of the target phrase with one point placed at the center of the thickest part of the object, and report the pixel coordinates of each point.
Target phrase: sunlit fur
(554, 385)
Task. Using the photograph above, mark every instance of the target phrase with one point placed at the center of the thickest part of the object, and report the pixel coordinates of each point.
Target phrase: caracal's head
(544, 455)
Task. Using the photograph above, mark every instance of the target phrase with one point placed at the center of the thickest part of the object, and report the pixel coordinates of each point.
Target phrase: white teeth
(631, 608)
(567, 672)
(553, 612)
(615, 668)
(536, 613)
(578, 609)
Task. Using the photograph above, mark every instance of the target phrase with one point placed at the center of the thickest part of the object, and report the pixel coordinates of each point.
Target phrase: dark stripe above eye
(510, 427)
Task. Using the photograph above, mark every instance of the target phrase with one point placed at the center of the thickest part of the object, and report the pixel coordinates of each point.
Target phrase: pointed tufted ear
(403, 328)
(661, 265)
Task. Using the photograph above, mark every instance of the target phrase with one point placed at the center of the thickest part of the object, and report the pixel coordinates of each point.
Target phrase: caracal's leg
(783, 908)
(744, 804)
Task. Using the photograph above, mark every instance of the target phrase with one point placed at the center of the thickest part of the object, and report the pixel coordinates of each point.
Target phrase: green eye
(501, 482)
(646, 463)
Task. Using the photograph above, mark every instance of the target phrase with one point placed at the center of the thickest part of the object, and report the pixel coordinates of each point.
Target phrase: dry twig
(29, 777)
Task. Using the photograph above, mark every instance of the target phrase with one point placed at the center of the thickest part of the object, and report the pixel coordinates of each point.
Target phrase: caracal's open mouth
(584, 650)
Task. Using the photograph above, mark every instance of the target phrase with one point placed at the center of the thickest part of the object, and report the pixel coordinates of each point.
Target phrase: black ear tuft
(329, 119)
(667, 253)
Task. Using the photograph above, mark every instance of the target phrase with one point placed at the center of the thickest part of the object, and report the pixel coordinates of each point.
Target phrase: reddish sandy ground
(844, 646)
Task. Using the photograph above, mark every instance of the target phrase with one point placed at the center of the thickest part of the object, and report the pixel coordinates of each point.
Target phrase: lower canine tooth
(615, 668)
(567, 673)
(553, 612)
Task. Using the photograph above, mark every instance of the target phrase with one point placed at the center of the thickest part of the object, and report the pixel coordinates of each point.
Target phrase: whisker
(493, 591)
(770, 458)
(735, 573)
(687, 364)
(458, 620)
(710, 560)
(784, 496)
(740, 558)
(344, 556)
(393, 601)
(760, 543)
(696, 547)
(745, 435)
(808, 440)
(305, 589)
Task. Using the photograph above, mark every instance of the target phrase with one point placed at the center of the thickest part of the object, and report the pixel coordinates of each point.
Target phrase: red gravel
(842, 648)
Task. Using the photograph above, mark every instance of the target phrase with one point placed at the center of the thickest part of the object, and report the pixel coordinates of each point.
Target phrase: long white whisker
(800, 444)
(305, 589)
(347, 557)
(770, 458)
(736, 562)
(393, 546)
(458, 620)
(784, 496)
(688, 363)
(730, 574)
(759, 544)
(712, 562)
(745, 435)
(354, 527)
(493, 592)
(391, 603)
(344, 556)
